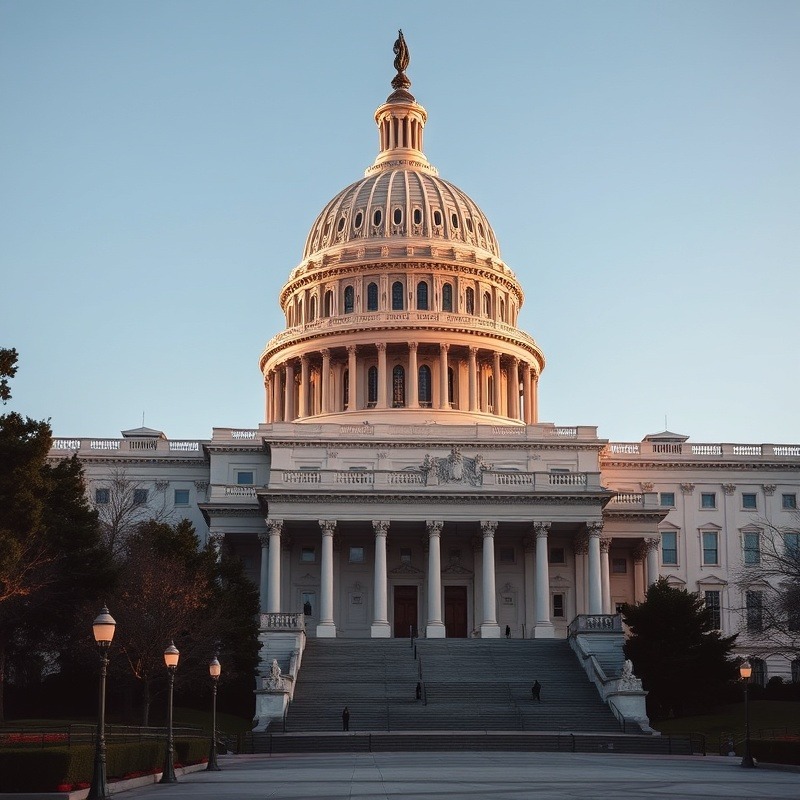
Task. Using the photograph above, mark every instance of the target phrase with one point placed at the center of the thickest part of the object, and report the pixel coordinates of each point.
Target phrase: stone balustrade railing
(636, 499)
(61, 447)
(596, 623)
(283, 621)
(689, 450)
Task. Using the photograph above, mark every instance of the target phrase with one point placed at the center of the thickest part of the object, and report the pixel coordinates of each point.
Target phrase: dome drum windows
(349, 300)
(469, 300)
(372, 297)
(397, 296)
(377, 219)
(437, 220)
(422, 296)
(447, 297)
(358, 221)
(398, 387)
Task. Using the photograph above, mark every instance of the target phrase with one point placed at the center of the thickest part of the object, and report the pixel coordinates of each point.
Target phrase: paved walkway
(477, 776)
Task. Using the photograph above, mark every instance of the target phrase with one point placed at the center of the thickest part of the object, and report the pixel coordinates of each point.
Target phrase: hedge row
(776, 751)
(52, 769)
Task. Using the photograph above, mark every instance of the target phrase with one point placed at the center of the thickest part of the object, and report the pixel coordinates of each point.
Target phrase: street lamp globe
(171, 656)
(103, 628)
(745, 670)
(214, 668)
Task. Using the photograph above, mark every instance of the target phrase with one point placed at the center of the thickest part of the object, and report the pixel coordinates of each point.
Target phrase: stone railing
(637, 499)
(689, 450)
(282, 621)
(239, 491)
(165, 447)
(596, 623)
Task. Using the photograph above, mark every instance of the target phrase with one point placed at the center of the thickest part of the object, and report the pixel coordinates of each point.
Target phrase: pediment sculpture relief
(454, 468)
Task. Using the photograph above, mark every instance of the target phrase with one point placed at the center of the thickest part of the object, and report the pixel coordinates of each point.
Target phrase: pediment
(674, 580)
(406, 569)
(559, 581)
(710, 526)
(712, 580)
(456, 569)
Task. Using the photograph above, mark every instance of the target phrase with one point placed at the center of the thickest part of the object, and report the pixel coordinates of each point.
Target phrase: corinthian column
(489, 627)
(444, 398)
(605, 574)
(594, 529)
(496, 373)
(381, 374)
(435, 627)
(526, 392)
(380, 622)
(268, 397)
(327, 627)
(275, 527)
(651, 546)
(513, 388)
(263, 582)
(326, 381)
(413, 376)
(304, 387)
(473, 379)
(288, 407)
(544, 627)
(352, 379)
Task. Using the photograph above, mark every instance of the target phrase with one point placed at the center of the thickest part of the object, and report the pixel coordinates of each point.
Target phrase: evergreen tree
(683, 662)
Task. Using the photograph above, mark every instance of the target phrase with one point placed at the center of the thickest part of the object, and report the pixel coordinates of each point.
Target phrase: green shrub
(776, 751)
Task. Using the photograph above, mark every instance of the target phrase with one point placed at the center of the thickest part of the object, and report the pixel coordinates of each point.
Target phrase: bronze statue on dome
(401, 61)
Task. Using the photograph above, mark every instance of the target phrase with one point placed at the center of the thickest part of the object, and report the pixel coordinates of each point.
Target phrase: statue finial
(401, 81)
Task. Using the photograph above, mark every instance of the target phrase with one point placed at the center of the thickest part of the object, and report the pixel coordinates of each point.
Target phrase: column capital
(328, 526)
(514, 361)
(488, 527)
(434, 527)
(216, 538)
(380, 527)
(473, 352)
(594, 529)
(304, 359)
(526, 368)
(651, 544)
(541, 529)
(381, 346)
(413, 345)
(581, 544)
(351, 349)
(326, 353)
(263, 537)
(444, 347)
(275, 526)
(605, 544)
(529, 544)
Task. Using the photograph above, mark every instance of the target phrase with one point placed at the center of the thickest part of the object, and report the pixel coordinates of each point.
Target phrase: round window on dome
(340, 226)
(454, 219)
(437, 217)
(358, 220)
(397, 216)
(418, 216)
(480, 230)
(469, 224)
(377, 217)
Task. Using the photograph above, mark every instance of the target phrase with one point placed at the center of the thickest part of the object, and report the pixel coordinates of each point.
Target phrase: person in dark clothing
(508, 631)
(536, 691)
(346, 719)
(419, 691)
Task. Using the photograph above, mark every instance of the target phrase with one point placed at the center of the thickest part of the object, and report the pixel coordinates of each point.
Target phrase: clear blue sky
(162, 161)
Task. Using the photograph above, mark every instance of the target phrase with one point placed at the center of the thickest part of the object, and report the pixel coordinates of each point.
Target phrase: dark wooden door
(455, 612)
(405, 611)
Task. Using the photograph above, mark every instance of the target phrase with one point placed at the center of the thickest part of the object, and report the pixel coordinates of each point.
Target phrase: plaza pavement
(477, 776)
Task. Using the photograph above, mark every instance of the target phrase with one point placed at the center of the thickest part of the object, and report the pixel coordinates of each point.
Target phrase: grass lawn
(770, 716)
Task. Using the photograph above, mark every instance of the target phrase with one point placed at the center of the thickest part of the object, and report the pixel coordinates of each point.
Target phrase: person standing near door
(346, 719)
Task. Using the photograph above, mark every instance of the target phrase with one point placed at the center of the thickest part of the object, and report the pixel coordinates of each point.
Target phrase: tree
(172, 589)
(769, 582)
(51, 560)
(683, 662)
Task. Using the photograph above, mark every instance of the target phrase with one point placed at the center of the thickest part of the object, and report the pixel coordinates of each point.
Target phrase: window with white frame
(667, 499)
(244, 477)
(759, 677)
(669, 548)
(558, 606)
(181, 497)
(753, 602)
(708, 500)
(356, 555)
(710, 541)
(789, 502)
(619, 566)
(791, 544)
(751, 548)
(714, 607)
(308, 554)
(139, 497)
(102, 496)
(749, 501)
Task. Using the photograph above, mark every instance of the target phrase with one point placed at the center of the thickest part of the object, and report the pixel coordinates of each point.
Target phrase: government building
(401, 481)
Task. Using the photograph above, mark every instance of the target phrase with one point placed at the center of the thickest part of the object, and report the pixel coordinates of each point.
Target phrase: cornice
(125, 459)
(640, 515)
(255, 446)
(213, 510)
(695, 465)
(439, 498)
(429, 443)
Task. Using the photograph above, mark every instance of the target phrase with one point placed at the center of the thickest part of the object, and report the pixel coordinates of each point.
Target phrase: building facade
(402, 482)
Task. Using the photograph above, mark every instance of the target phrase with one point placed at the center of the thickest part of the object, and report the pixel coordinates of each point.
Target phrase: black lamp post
(171, 655)
(745, 670)
(214, 670)
(103, 628)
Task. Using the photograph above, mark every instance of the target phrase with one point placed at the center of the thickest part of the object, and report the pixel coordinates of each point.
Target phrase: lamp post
(171, 655)
(745, 670)
(214, 670)
(103, 628)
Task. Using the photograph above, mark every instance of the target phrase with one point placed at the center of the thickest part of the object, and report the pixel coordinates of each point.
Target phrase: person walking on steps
(346, 719)
(536, 691)
(508, 631)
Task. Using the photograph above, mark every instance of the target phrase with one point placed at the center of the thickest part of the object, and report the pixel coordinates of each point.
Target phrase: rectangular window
(710, 547)
(244, 477)
(713, 606)
(308, 554)
(755, 619)
(558, 605)
(102, 496)
(667, 499)
(181, 497)
(619, 566)
(506, 555)
(791, 543)
(356, 555)
(405, 555)
(708, 500)
(789, 501)
(669, 547)
(139, 497)
(749, 502)
(751, 544)
(557, 555)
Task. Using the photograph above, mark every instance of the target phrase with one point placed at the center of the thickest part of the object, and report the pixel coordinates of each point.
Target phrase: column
(473, 379)
(288, 403)
(526, 392)
(581, 548)
(435, 627)
(529, 549)
(638, 575)
(594, 529)
(381, 374)
(304, 387)
(605, 574)
(443, 393)
(513, 388)
(327, 627)
(489, 627)
(217, 538)
(267, 397)
(544, 626)
(496, 380)
(413, 377)
(274, 527)
(263, 582)
(651, 545)
(380, 620)
(325, 405)
(535, 399)
(277, 413)
(352, 379)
